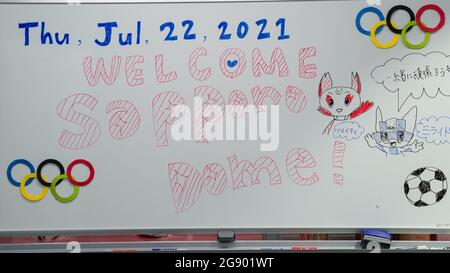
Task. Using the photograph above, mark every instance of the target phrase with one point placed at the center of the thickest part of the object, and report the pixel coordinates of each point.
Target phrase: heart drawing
(232, 64)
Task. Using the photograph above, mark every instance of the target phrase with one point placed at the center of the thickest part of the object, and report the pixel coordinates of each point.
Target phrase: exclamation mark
(338, 162)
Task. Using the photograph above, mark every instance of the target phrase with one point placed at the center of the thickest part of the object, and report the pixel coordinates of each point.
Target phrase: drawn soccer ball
(425, 186)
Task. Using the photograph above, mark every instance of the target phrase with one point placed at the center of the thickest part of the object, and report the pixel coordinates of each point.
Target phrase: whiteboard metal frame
(342, 230)
(201, 246)
(82, 2)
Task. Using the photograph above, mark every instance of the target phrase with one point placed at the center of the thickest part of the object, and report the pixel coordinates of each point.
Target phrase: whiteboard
(58, 103)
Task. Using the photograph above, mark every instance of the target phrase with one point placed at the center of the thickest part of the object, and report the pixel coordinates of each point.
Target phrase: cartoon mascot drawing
(394, 136)
(341, 103)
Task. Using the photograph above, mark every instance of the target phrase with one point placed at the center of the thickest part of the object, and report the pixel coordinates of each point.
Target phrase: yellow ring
(377, 43)
(24, 192)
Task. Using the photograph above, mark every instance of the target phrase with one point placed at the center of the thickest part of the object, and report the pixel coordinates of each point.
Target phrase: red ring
(85, 163)
(436, 9)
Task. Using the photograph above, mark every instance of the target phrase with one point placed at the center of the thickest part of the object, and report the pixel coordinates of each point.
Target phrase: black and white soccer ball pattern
(425, 186)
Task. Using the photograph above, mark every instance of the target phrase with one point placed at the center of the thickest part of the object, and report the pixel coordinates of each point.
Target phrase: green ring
(413, 46)
(58, 197)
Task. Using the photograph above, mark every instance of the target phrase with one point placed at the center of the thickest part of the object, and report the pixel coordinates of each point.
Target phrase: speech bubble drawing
(434, 130)
(415, 75)
(348, 130)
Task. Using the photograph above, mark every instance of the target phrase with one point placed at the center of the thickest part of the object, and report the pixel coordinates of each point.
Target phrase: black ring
(42, 165)
(391, 13)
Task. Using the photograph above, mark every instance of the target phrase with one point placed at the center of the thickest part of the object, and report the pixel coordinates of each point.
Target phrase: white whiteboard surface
(132, 189)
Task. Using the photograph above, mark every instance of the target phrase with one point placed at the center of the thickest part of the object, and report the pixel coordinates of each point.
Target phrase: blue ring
(12, 165)
(362, 13)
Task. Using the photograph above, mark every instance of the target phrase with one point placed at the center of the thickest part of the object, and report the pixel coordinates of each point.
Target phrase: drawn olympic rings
(415, 20)
(64, 175)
